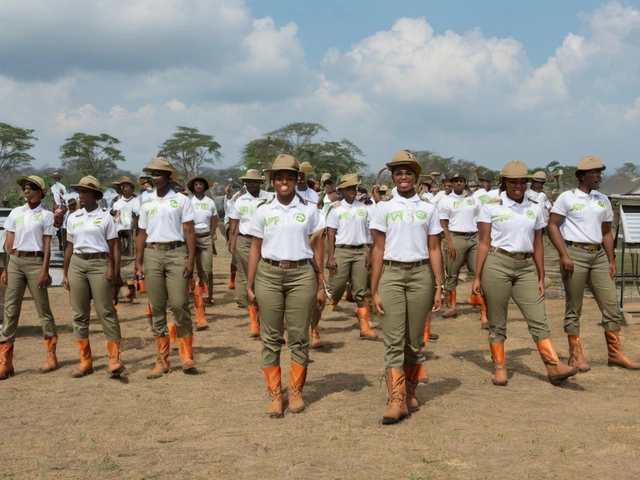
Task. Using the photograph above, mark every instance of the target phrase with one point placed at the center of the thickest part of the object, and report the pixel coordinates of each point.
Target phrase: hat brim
(23, 178)
(261, 179)
(86, 187)
(415, 166)
(350, 183)
(174, 173)
(198, 179)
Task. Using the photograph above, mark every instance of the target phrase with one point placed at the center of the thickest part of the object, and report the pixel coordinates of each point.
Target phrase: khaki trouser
(88, 280)
(164, 277)
(590, 269)
(23, 271)
(242, 258)
(285, 298)
(407, 298)
(351, 267)
(503, 278)
(204, 255)
(466, 251)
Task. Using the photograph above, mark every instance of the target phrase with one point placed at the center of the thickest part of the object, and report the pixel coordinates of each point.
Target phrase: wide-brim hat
(348, 180)
(90, 183)
(455, 176)
(514, 169)
(485, 177)
(163, 165)
(56, 174)
(198, 179)
(307, 169)
(325, 177)
(590, 163)
(252, 174)
(36, 180)
(144, 179)
(284, 162)
(404, 158)
(123, 179)
(539, 176)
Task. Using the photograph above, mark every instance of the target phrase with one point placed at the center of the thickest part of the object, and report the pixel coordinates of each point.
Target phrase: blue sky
(486, 81)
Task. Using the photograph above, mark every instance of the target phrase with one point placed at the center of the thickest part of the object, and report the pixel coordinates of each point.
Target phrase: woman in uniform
(91, 268)
(284, 279)
(29, 230)
(580, 229)
(165, 256)
(511, 265)
(406, 281)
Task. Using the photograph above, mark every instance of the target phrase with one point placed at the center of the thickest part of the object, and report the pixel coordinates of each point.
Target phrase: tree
(188, 150)
(297, 135)
(260, 153)
(91, 155)
(630, 170)
(14, 144)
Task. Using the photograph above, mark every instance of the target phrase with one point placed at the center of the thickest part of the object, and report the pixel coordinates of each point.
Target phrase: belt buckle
(406, 266)
(284, 265)
(520, 256)
(592, 248)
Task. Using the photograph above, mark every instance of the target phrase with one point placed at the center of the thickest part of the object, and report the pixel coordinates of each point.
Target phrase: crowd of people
(397, 253)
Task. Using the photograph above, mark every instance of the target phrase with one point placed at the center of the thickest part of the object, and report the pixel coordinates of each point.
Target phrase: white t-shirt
(244, 208)
(57, 191)
(29, 226)
(438, 196)
(309, 195)
(127, 209)
(584, 215)
(89, 232)
(513, 225)
(285, 229)
(351, 221)
(162, 217)
(407, 224)
(145, 196)
(426, 196)
(483, 197)
(204, 211)
(461, 211)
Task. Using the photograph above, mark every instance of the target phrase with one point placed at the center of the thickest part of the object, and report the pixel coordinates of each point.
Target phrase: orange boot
(132, 290)
(173, 334)
(6, 360)
(255, 323)
(115, 365)
(162, 362)
(499, 372)
(616, 357)
(333, 304)
(198, 303)
(316, 341)
(428, 335)
(451, 312)
(86, 361)
(52, 360)
(576, 357)
(476, 299)
(273, 377)
(365, 328)
(297, 377)
(422, 374)
(397, 389)
(557, 371)
(185, 347)
(232, 280)
(142, 287)
(411, 373)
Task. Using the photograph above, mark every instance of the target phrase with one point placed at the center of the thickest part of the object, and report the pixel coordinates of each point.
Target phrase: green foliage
(15, 197)
(14, 144)
(628, 169)
(188, 150)
(94, 155)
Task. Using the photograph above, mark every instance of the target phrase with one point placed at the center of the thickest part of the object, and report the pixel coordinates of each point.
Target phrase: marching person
(580, 229)
(536, 192)
(165, 256)
(458, 215)
(284, 280)
(58, 191)
(242, 209)
(349, 255)
(126, 210)
(302, 188)
(406, 281)
(206, 223)
(29, 230)
(91, 268)
(510, 264)
(485, 193)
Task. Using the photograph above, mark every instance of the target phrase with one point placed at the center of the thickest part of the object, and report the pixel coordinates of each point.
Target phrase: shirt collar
(294, 203)
(580, 193)
(414, 199)
(506, 201)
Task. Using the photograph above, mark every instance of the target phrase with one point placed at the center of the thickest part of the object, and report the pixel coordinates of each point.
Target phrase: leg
(497, 285)
(79, 296)
(393, 323)
(340, 277)
(270, 297)
(242, 256)
(531, 304)
(156, 290)
(101, 290)
(14, 292)
(574, 289)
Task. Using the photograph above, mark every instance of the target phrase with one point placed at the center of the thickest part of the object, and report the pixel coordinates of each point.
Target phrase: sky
(485, 81)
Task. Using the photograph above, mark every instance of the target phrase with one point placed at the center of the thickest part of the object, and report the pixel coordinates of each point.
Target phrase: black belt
(351, 247)
(406, 265)
(286, 265)
(92, 256)
(246, 236)
(463, 234)
(165, 246)
(28, 254)
(589, 247)
(514, 255)
(203, 235)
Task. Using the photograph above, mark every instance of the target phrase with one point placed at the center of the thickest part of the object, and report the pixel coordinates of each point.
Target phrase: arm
(141, 243)
(447, 235)
(331, 261)
(538, 259)
(484, 244)
(318, 258)
(190, 238)
(67, 260)
(377, 257)
(566, 264)
(43, 278)
(115, 252)
(8, 247)
(607, 244)
(435, 258)
(234, 231)
(213, 226)
(255, 253)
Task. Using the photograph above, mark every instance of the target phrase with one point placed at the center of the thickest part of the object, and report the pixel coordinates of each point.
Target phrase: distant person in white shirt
(58, 191)
(485, 194)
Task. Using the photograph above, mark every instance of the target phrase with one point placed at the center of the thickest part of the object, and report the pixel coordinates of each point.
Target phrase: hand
(188, 270)
(213, 245)
(377, 303)
(110, 272)
(451, 250)
(117, 280)
(566, 266)
(437, 300)
(139, 270)
(65, 282)
(251, 297)
(331, 264)
(476, 287)
(3, 278)
(367, 262)
(43, 280)
(321, 299)
(612, 270)
(541, 288)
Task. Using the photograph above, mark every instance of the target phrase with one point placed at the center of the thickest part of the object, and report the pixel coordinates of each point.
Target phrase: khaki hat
(539, 176)
(485, 177)
(194, 180)
(435, 174)
(514, 169)
(32, 179)
(456, 176)
(348, 180)
(163, 165)
(590, 163)
(144, 179)
(383, 188)
(123, 179)
(252, 174)
(307, 169)
(90, 183)
(405, 158)
(325, 177)
(284, 162)
(56, 175)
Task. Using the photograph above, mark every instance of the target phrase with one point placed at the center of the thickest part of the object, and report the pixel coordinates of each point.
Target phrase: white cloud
(176, 106)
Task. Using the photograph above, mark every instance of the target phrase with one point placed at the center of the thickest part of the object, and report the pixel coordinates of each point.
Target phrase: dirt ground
(214, 425)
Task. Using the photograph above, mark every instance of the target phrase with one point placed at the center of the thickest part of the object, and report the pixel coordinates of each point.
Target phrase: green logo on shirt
(602, 204)
(244, 210)
(173, 203)
(152, 212)
(393, 216)
(530, 214)
(421, 214)
(78, 225)
(469, 201)
(97, 222)
(577, 206)
(300, 217)
(271, 221)
(456, 204)
(503, 217)
(361, 213)
(20, 220)
(37, 217)
(343, 215)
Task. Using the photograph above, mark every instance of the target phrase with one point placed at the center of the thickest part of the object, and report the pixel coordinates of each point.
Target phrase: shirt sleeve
(434, 227)
(47, 228)
(540, 221)
(232, 211)
(214, 210)
(378, 220)
(332, 219)
(560, 207)
(9, 224)
(188, 213)
(485, 215)
(257, 223)
(110, 230)
(608, 216)
(443, 210)
(144, 212)
(316, 222)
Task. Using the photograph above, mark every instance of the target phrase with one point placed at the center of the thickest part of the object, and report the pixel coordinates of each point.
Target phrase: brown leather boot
(428, 334)
(422, 374)
(451, 312)
(499, 372)
(333, 304)
(232, 279)
(365, 328)
(198, 303)
(255, 323)
(185, 347)
(411, 374)
(316, 341)
(6, 360)
(115, 365)
(297, 377)
(52, 360)
(396, 386)
(616, 357)
(274, 385)
(173, 334)
(557, 371)
(162, 362)
(86, 361)
(576, 358)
